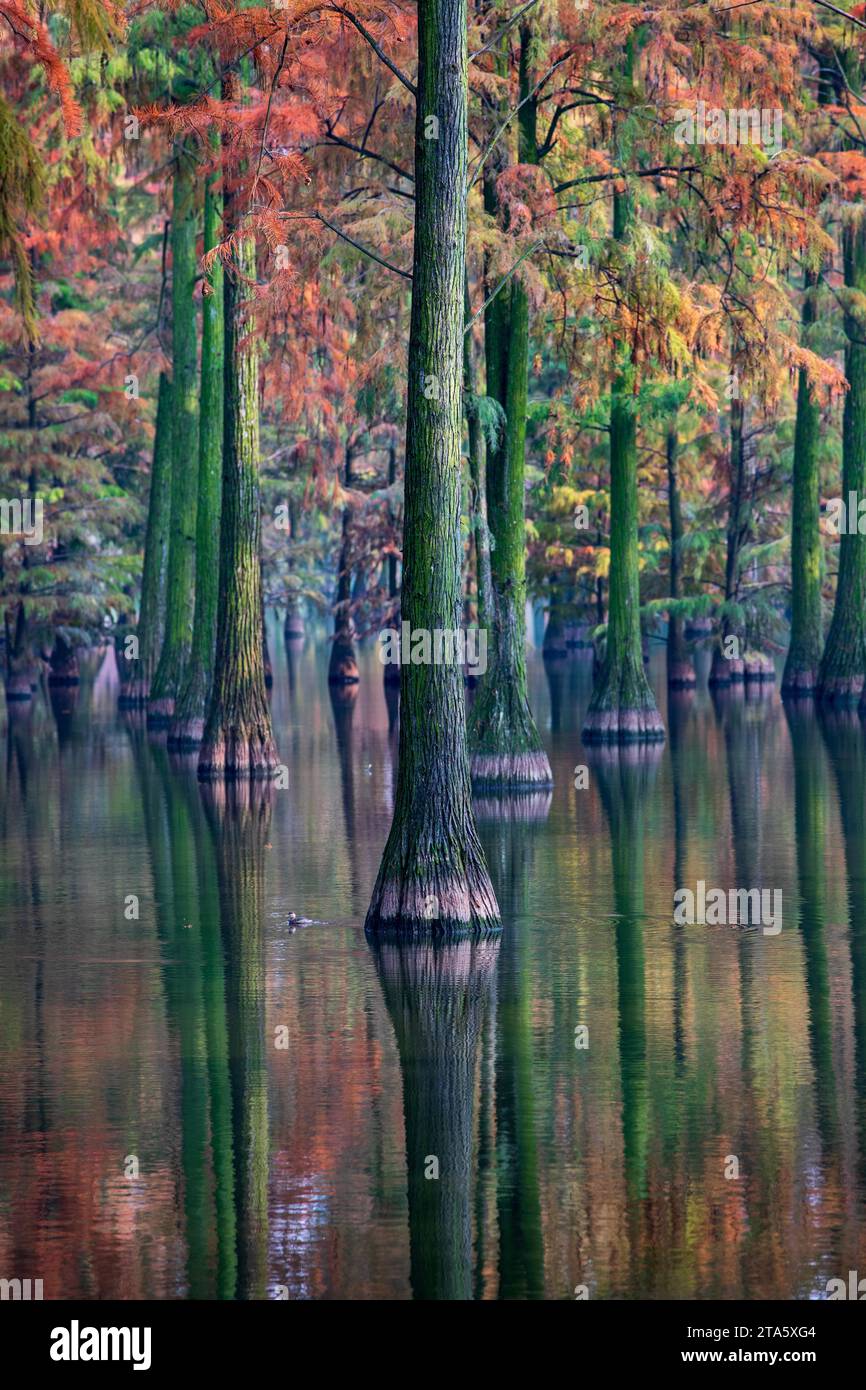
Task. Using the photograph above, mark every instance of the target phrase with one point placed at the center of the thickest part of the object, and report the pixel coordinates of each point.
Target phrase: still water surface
(201, 1101)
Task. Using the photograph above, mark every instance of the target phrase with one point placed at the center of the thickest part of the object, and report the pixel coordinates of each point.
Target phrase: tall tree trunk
(804, 653)
(727, 669)
(188, 727)
(478, 480)
(433, 873)
(136, 687)
(180, 585)
(343, 666)
(238, 741)
(505, 746)
(623, 708)
(843, 665)
(681, 673)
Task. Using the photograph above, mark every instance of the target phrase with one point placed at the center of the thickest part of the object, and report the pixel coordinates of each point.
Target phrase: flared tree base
(726, 670)
(431, 884)
(238, 753)
(160, 711)
(799, 682)
(505, 752)
(757, 667)
(343, 666)
(623, 707)
(18, 688)
(681, 675)
(186, 733)
(623, 726)
(503, 772)
(841, 690)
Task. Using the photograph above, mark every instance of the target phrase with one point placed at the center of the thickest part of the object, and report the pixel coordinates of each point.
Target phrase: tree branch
(401, 76)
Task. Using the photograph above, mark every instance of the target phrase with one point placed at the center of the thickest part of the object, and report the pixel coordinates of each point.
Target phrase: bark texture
(238, 741)
(504, 743)
(681, 672)
(180, 584)
(187, 728)
(843, 665)
(433, 873)
(136, 676)
(623, 708)
(804, 653)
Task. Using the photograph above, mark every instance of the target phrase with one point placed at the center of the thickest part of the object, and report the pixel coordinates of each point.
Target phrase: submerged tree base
(800, 683)
(726, 670)
(238, 753)
(841, 690)
(342, 667)
(510, 771)
(623, 707)
(433, 877)
(160, 712)
(681, 675)
(186, 733)
(436, 904)
(623, 726)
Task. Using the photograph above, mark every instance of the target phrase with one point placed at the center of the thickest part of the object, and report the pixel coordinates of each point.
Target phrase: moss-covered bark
(136, 675)
(728, 669)
(477, 450)
(433, 874)
(180, 583)
(238, 741)
(343, 665)
(843, 665)
(187, 728)
(681, 672)
(804, 653)
(623, 708)
(504, 743)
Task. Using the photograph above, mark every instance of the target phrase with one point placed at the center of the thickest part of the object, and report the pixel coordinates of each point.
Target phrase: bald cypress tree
(433, 872)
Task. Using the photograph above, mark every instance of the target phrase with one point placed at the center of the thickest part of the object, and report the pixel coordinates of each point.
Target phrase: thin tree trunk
(188, 727)
(681, 673)
(238, 741)
(180, 585)
(505, 746)
(433, 873)
(843, 665)
(623, 708)
(478, 479)
(343, 666)
(136, 687)
(804, 653)
(728, 669)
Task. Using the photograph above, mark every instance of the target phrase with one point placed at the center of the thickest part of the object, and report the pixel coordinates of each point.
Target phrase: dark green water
(201, 1102)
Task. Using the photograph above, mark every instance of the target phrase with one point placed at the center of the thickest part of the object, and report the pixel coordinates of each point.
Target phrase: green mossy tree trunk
(623, 708)
(238, 740)
(433, 873)
(804, 653)
(135, 687)
(728, 665)
(843, 665)
(187, 728)
(343, 665)
(504, 743)
(180, 583)
(476, 446)
(681, 672)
